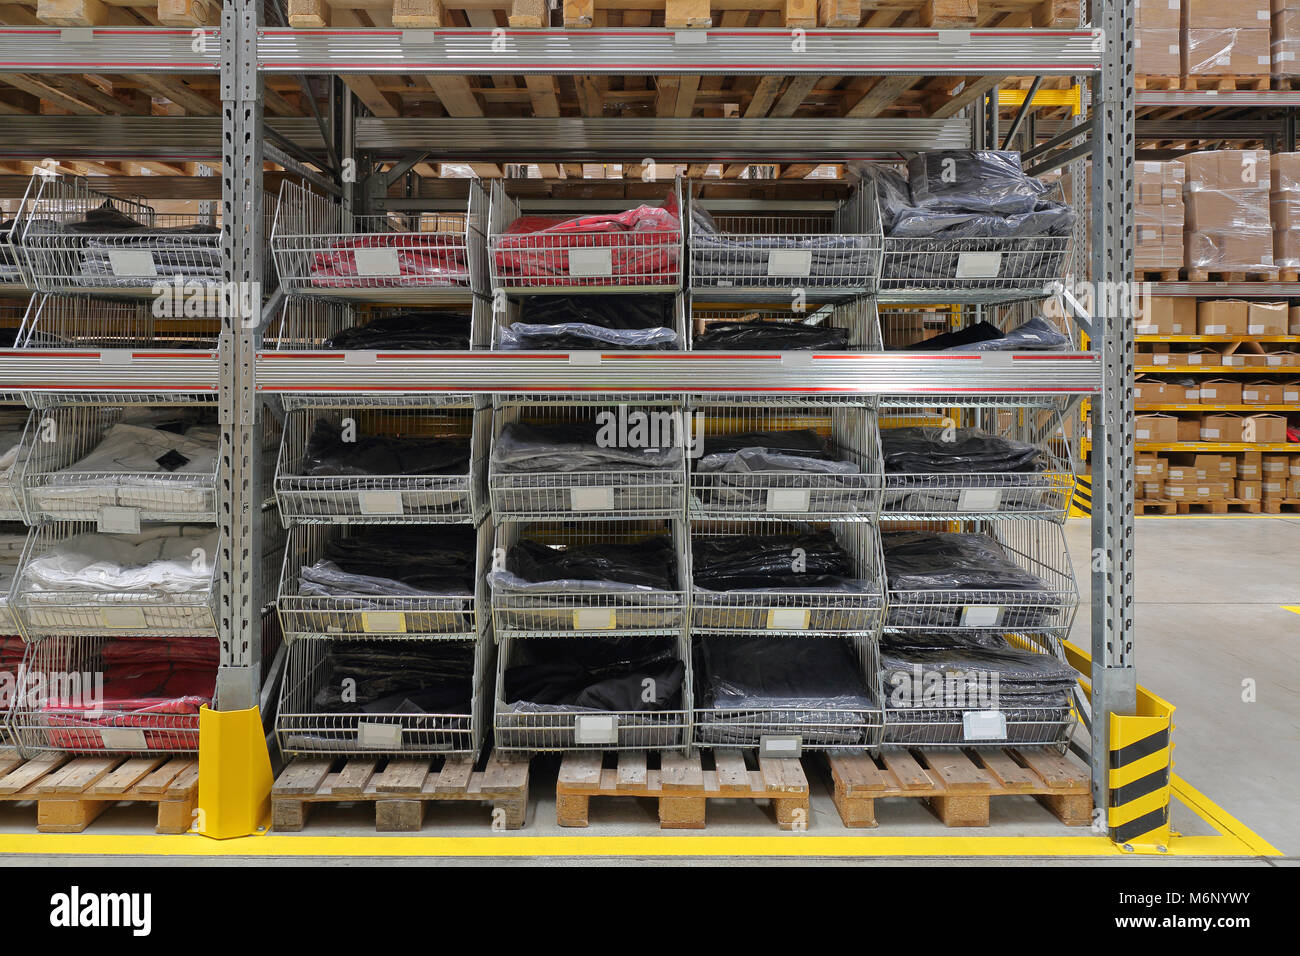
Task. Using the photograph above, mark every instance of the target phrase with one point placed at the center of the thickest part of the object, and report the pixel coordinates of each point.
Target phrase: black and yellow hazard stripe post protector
(1141, 762)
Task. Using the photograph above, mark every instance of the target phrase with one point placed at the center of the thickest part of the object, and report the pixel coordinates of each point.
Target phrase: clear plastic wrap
(952, 561)
(1228, 50)
(441, 564)
(1284, 206)
(972, 181)
(1037, 334)
(328, 455)
(786, 336)
(384, 677)
(924, 449)
(805, 563)
(159, 561)
(579, 335)
(605, 675)
(571, 447)
(327, 579)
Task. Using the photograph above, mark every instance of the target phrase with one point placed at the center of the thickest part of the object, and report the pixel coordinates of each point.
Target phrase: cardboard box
(1167, 14)
(1189, 428)
(1275, 466)
(1201, 357)
(1231, 251)
(1266, 318)
(1284, 168)
(1294, 470)
(1293, 321)
(1227, 168)
(1227, 467)
(1220, 391)
(1158, 52)
(1148, 391)
(1250, 466)
(1265, 429)
(1158, 183)
(1155, 428)
(1245, 51)
(1150, 490)
(1215, 13)
(1248, 490)
(1186, 474)
(1293, 488)
(1151, 466)
(1221, 427)
(1224, 210)
(1176, 394)
(1282, 358)
(1291, 393)
(1244, 354)
(1262, 393)
(1286, 249)
(1207, 466)
(1166, 315)
(1276, 488)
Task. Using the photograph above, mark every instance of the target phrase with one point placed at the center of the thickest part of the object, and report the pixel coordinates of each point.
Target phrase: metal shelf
(46, 49)
(695, 52)
(1228, 99)
(1209, 446)
(1217, 370)
(846, 373)
(1238, 290)
(116, 371)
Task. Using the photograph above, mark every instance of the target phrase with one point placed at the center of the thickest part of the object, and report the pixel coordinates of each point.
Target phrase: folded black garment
(606, 311)
(739, 672)
(600, 674)
(329, 455)
(798, 442)
(107, 219)
(1035, 334)
(943, 561)
(571, 446)
(925, 449)
(746, 562)
(438, 563)
(786, 336)
(1049, 220)
(418, 330)
(979, 332)
(388, 677)
(646, 563)
(1019, 673)
(972, 180)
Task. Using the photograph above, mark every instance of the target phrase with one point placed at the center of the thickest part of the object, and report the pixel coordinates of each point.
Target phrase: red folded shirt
(423, 259)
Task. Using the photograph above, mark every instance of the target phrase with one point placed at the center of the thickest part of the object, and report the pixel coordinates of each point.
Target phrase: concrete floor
(1210, 596)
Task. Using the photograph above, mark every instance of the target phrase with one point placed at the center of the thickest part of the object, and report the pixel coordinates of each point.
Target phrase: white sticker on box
(1255, 329)
(788, 618)
(1142, 469)
(593, 619)
(1288, 397)
(380, 502)
(979, 499)
(981, 615)
(591, 499)
(978, 265)
(1209, 433)
(136, 263)
(1216, 330)
(1161, 359)
(789, 499)
(590, 262)
(1246, 396)
(377, 262)
(383, 736)
(383, 622)
(789, 262)
(1209, 393)
(595, 729)
(123, 738)
(984, 725)
(122, 617)
(1143, 434)
(113, 520)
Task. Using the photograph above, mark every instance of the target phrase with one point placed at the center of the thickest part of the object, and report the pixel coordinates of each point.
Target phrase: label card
(789, 499)
(380, 502)
(984, 725)
(780, 745)
(123, 738)
(593, 618)
(595, 729)
(377, 262)
(590, 262)
(978, 265)
(591, 499)
(114, 520)
(981, 615)
(132, 263)
(789, 262)
(788, 618)
(979, 499)
(377, 735)
(383, 622)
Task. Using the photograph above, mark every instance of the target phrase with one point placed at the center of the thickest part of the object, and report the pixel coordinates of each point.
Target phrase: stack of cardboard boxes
(1158, 212)
(1286, 38)
(1244, 476)
(1157, 38)
(1226, 196)
(1284, 207)
(1226, 38)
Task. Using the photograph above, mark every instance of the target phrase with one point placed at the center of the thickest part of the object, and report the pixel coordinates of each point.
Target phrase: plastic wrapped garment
(154, 685)
(397, 678)
(925, 449)
(785, 336)
(431, 331)
(329, 455)
(810, 686)
(725, 257)
(964, 180)
(127, 454)
(9, 270)
(795, 449)
(644, 244)
(811, 561)
(148, 566)
(744, 467)
(395, 561)
(645, 565)
(1036, 334)
(191, 251)
(423, 259)
(592, 321)
(569, 447)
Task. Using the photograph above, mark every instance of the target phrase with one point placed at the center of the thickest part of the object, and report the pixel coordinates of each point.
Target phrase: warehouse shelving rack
(249, 381)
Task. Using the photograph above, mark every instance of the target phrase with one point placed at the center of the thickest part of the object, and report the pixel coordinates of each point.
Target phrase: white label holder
(981, 615)
(132, 263)
(979, 265)
(984, 725)
(115, 520)
(377, 263)
(380, 502)
(123, 738)
(789, 262)
(375, 735)
(591, 499)
(590, 262)
(595, 729)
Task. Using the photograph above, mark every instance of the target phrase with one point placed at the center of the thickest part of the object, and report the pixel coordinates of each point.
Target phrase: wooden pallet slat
(125, 776)
(354, 776)
(403, 776)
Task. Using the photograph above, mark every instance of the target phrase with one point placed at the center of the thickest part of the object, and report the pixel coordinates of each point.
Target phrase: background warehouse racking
(252, 379)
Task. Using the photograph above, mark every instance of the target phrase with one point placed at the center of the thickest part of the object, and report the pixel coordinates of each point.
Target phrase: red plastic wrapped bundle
(422, 259)
(644, 246)
(154, 685)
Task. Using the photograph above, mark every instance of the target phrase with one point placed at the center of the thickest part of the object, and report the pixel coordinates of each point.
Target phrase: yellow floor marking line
(1221, 819)
(1294, 609)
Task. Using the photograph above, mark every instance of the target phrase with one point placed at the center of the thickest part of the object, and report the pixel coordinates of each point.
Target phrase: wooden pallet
(1151, 81)
(70, 792)
(1277, 506)
(1157, 275)
(400, 788)
(1209, 275)
(93, 13)
(1227, 81)
(1219, 506)
(683, 785)
(1155, 506)
(958, 783)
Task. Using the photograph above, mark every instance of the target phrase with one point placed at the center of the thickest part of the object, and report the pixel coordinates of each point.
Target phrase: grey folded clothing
(327, 579)
(572, 447)
(715, 253)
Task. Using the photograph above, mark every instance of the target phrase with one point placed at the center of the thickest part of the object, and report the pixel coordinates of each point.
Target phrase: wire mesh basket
(76, 239)
(1045, 605)
(1020, 458)
(608, 609)
(321, 710)
(138, 599)
(15, 276)
(968, 709)
(347, 609)
(503, 313)
(979, 269)
(563, 462)
(16, 422)
(920, 327)
(855, 607)
(394, 464)
(415, 257)
(115, 466)
(614, 249)
(811, 720)
(851, 325)
(836, 253)
(66, 703)
(526, 726)
(13, 541)
(785, 461)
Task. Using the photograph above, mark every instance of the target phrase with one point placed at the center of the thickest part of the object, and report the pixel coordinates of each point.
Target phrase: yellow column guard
(234, 774)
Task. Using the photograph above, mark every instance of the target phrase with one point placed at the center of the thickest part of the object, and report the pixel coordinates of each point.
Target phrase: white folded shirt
(172, 559)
